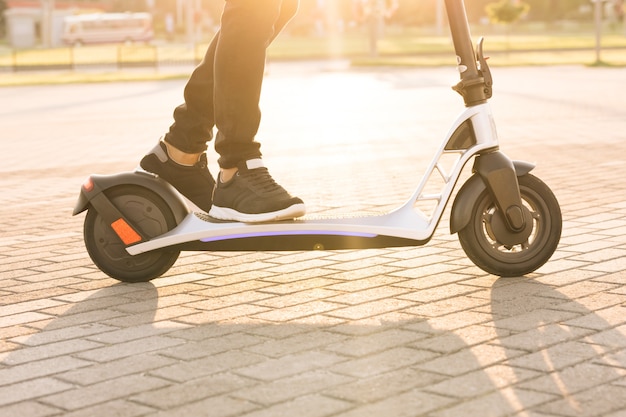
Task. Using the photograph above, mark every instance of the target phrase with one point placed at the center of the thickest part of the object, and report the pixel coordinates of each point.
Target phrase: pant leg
(194, 119)
(248, 27)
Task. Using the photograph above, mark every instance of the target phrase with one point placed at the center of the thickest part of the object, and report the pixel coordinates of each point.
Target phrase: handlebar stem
(476, 82)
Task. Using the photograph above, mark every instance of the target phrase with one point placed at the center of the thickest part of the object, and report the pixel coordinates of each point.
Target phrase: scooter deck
(402, 227)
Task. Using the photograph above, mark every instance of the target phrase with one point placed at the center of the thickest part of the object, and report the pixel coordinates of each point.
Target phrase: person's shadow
(145, 351)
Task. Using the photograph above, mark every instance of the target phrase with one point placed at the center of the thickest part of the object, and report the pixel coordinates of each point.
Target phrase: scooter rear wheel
(150, 215)
(481, 244)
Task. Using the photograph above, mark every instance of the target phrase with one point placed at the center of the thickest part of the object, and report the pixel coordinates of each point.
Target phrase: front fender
(469, 192)
(96, 184)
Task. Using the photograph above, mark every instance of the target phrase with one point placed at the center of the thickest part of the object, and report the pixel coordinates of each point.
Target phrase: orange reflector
(125, 232)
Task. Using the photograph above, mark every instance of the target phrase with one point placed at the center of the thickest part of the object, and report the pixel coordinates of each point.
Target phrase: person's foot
(252, 196)
(195, 181)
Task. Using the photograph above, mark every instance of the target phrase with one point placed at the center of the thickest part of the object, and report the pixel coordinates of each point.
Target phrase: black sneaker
(252, 196)
(194, 182)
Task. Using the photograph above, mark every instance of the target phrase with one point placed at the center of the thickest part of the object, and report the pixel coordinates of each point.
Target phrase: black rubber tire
(483, 248)
(150, 215)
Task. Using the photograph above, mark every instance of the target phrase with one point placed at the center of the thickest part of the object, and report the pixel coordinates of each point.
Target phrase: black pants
(224, 90)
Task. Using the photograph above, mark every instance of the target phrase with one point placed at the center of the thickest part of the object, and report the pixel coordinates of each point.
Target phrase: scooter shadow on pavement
(143, 350)
(569, 359)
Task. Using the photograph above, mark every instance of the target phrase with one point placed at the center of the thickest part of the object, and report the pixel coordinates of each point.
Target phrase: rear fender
(96, 184)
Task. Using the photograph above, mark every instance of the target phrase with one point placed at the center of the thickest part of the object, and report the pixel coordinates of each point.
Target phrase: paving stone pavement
(390, 332)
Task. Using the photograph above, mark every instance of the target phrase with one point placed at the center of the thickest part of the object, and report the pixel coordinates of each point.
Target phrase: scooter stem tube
(472, 85)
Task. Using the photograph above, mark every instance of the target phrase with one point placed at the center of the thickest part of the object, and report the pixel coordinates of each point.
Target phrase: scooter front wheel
(479, 239)
(150, 215)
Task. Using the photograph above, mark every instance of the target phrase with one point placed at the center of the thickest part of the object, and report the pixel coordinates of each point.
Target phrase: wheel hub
(504, 235)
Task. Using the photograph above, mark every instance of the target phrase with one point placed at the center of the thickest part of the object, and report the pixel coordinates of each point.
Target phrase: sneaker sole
(223, 213)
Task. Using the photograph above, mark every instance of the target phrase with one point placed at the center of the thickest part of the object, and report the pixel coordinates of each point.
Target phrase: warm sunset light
(71, 34)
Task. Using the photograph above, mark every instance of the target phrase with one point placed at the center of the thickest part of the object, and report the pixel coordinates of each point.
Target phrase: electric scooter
(508, 221)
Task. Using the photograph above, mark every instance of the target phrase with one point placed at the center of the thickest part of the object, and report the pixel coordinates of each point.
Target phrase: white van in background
(107, 28)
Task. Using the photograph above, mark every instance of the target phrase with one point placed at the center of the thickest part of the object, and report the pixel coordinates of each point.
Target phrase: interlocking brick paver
(63, 333)
(40, 368)
(375, 342)
(462, 338)
(297, 298)
(601, 319)
(288, 365)
(507, 401)
(95, 373)
(370, 309)
(591, 402)
(557, 357)
(543, 336)
(306, 406)
(409, 403)
(458, 363)
(176, 395)
(447, 306)
(383, 362)
(121, 350)
(613, 338)
(303, 341)
(387, 332)
(223, 314)
(30, 408)
(32, 389)
(22, 318)
(370, 294)
(212, 346)
(105, 391)
(458, 321)
(528, 321)
(493, 378)
(219, 406)
(577, 377)
(292, 387)
(382, 386)
(299, 284)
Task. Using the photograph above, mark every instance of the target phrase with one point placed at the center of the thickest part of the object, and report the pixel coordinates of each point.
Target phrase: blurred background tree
(506, 12)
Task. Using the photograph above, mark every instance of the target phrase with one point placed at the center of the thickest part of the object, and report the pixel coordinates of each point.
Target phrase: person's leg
(194, 119)
(180, 159)
(235, 147)
(248, 27)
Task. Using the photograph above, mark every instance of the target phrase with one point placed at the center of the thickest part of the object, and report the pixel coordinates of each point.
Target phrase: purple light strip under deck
(288, 233)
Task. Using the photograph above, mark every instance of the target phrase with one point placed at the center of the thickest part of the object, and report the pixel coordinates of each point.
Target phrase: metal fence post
(598, 25)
